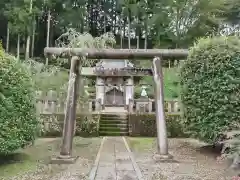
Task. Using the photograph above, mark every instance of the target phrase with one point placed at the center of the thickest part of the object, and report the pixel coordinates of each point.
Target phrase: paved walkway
(115, 161)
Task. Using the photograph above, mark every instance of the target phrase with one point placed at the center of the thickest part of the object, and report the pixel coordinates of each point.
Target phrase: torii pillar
(162, 140)
(65, 156)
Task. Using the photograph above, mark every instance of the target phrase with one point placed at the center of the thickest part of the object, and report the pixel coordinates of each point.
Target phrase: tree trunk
(137, 30)
(48, 31)
(146, 35)
(177, 26)
(7, 41)
(121, 30)
(121, 38)
(129, 31)
(33, 38)
(124, 31)
(18, 47)
(137, 42)
(104, 16)
(27, 47)
(105, 29)
(86, 23)
(115, 17)
(28, 37)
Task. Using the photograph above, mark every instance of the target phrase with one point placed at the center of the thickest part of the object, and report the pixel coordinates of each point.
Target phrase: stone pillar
(129, 90)
(100, 89)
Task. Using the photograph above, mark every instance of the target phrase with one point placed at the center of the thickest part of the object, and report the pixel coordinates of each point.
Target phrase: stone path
(115, 161)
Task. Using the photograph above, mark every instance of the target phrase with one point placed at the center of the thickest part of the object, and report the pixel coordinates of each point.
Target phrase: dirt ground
(33, 162)
(193, 160)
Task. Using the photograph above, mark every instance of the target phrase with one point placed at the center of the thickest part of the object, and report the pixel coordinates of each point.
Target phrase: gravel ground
(85, 148)
(192, 161)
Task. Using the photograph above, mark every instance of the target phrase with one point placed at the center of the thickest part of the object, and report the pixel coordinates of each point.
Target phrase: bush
(52, 125)
(18, 120)
(145, 125)
(210, 81)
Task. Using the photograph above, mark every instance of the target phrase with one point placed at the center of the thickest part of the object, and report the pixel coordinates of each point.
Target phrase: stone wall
(145, 125)
(51, 125)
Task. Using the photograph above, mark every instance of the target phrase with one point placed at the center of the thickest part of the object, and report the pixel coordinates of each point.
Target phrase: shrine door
(114, 97)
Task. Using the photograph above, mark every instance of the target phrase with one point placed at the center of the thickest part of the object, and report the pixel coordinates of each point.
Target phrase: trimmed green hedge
(52, 125)
(18, 121)
(211, 84)
(145, 125)
(87, 126)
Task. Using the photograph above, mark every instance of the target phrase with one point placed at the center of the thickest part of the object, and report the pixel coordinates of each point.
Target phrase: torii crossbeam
(157, 55)
(117, 53)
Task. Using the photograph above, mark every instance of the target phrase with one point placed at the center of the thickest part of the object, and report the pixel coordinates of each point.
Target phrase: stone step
(113, 116)
(114, 129)
(109, 133)
(113, 121)
(113, 125)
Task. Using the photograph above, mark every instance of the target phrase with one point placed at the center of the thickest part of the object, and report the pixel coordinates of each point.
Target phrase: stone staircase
(113, 124)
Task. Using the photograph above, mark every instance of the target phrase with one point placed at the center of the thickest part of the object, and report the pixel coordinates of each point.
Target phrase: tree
(161, 23)
(210, 88)
(18, 121)
(27, 53)
(183, 21)
(17, 21)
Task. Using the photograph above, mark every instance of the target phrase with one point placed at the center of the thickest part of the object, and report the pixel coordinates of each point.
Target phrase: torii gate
(70, 116)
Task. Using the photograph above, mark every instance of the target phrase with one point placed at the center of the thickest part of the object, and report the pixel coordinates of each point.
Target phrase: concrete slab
(106, 173)
(126, 175)
(115, 161)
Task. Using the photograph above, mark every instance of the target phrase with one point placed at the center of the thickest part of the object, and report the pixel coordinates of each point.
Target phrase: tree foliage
(161, 23)
(211, 83)
(18, 120)
(75, 39)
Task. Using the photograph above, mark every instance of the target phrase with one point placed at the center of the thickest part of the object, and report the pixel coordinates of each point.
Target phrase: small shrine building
(115, 81)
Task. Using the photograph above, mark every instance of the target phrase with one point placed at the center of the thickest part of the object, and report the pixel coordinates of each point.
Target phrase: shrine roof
(115, 67)
(114, 63)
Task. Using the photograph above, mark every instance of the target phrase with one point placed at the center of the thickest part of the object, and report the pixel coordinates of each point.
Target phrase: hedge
(87, 126)
(52, 125)
(18, 120)
(145, 125)
(210, 81)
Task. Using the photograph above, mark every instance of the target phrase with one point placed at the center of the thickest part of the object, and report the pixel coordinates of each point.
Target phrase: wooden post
(160, 115)
(130, 106)
(65, 156)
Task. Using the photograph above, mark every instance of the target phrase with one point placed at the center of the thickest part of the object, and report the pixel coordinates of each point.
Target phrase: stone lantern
(144, 92)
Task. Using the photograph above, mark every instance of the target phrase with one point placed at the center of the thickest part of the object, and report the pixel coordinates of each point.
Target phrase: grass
(56, 80)
(170, 82)
(27, 159)
(140, 143)
(15, 163)
(37, 156)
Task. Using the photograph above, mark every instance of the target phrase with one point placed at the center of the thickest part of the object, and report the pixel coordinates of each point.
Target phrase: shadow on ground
(13, 158)
(33, 162)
